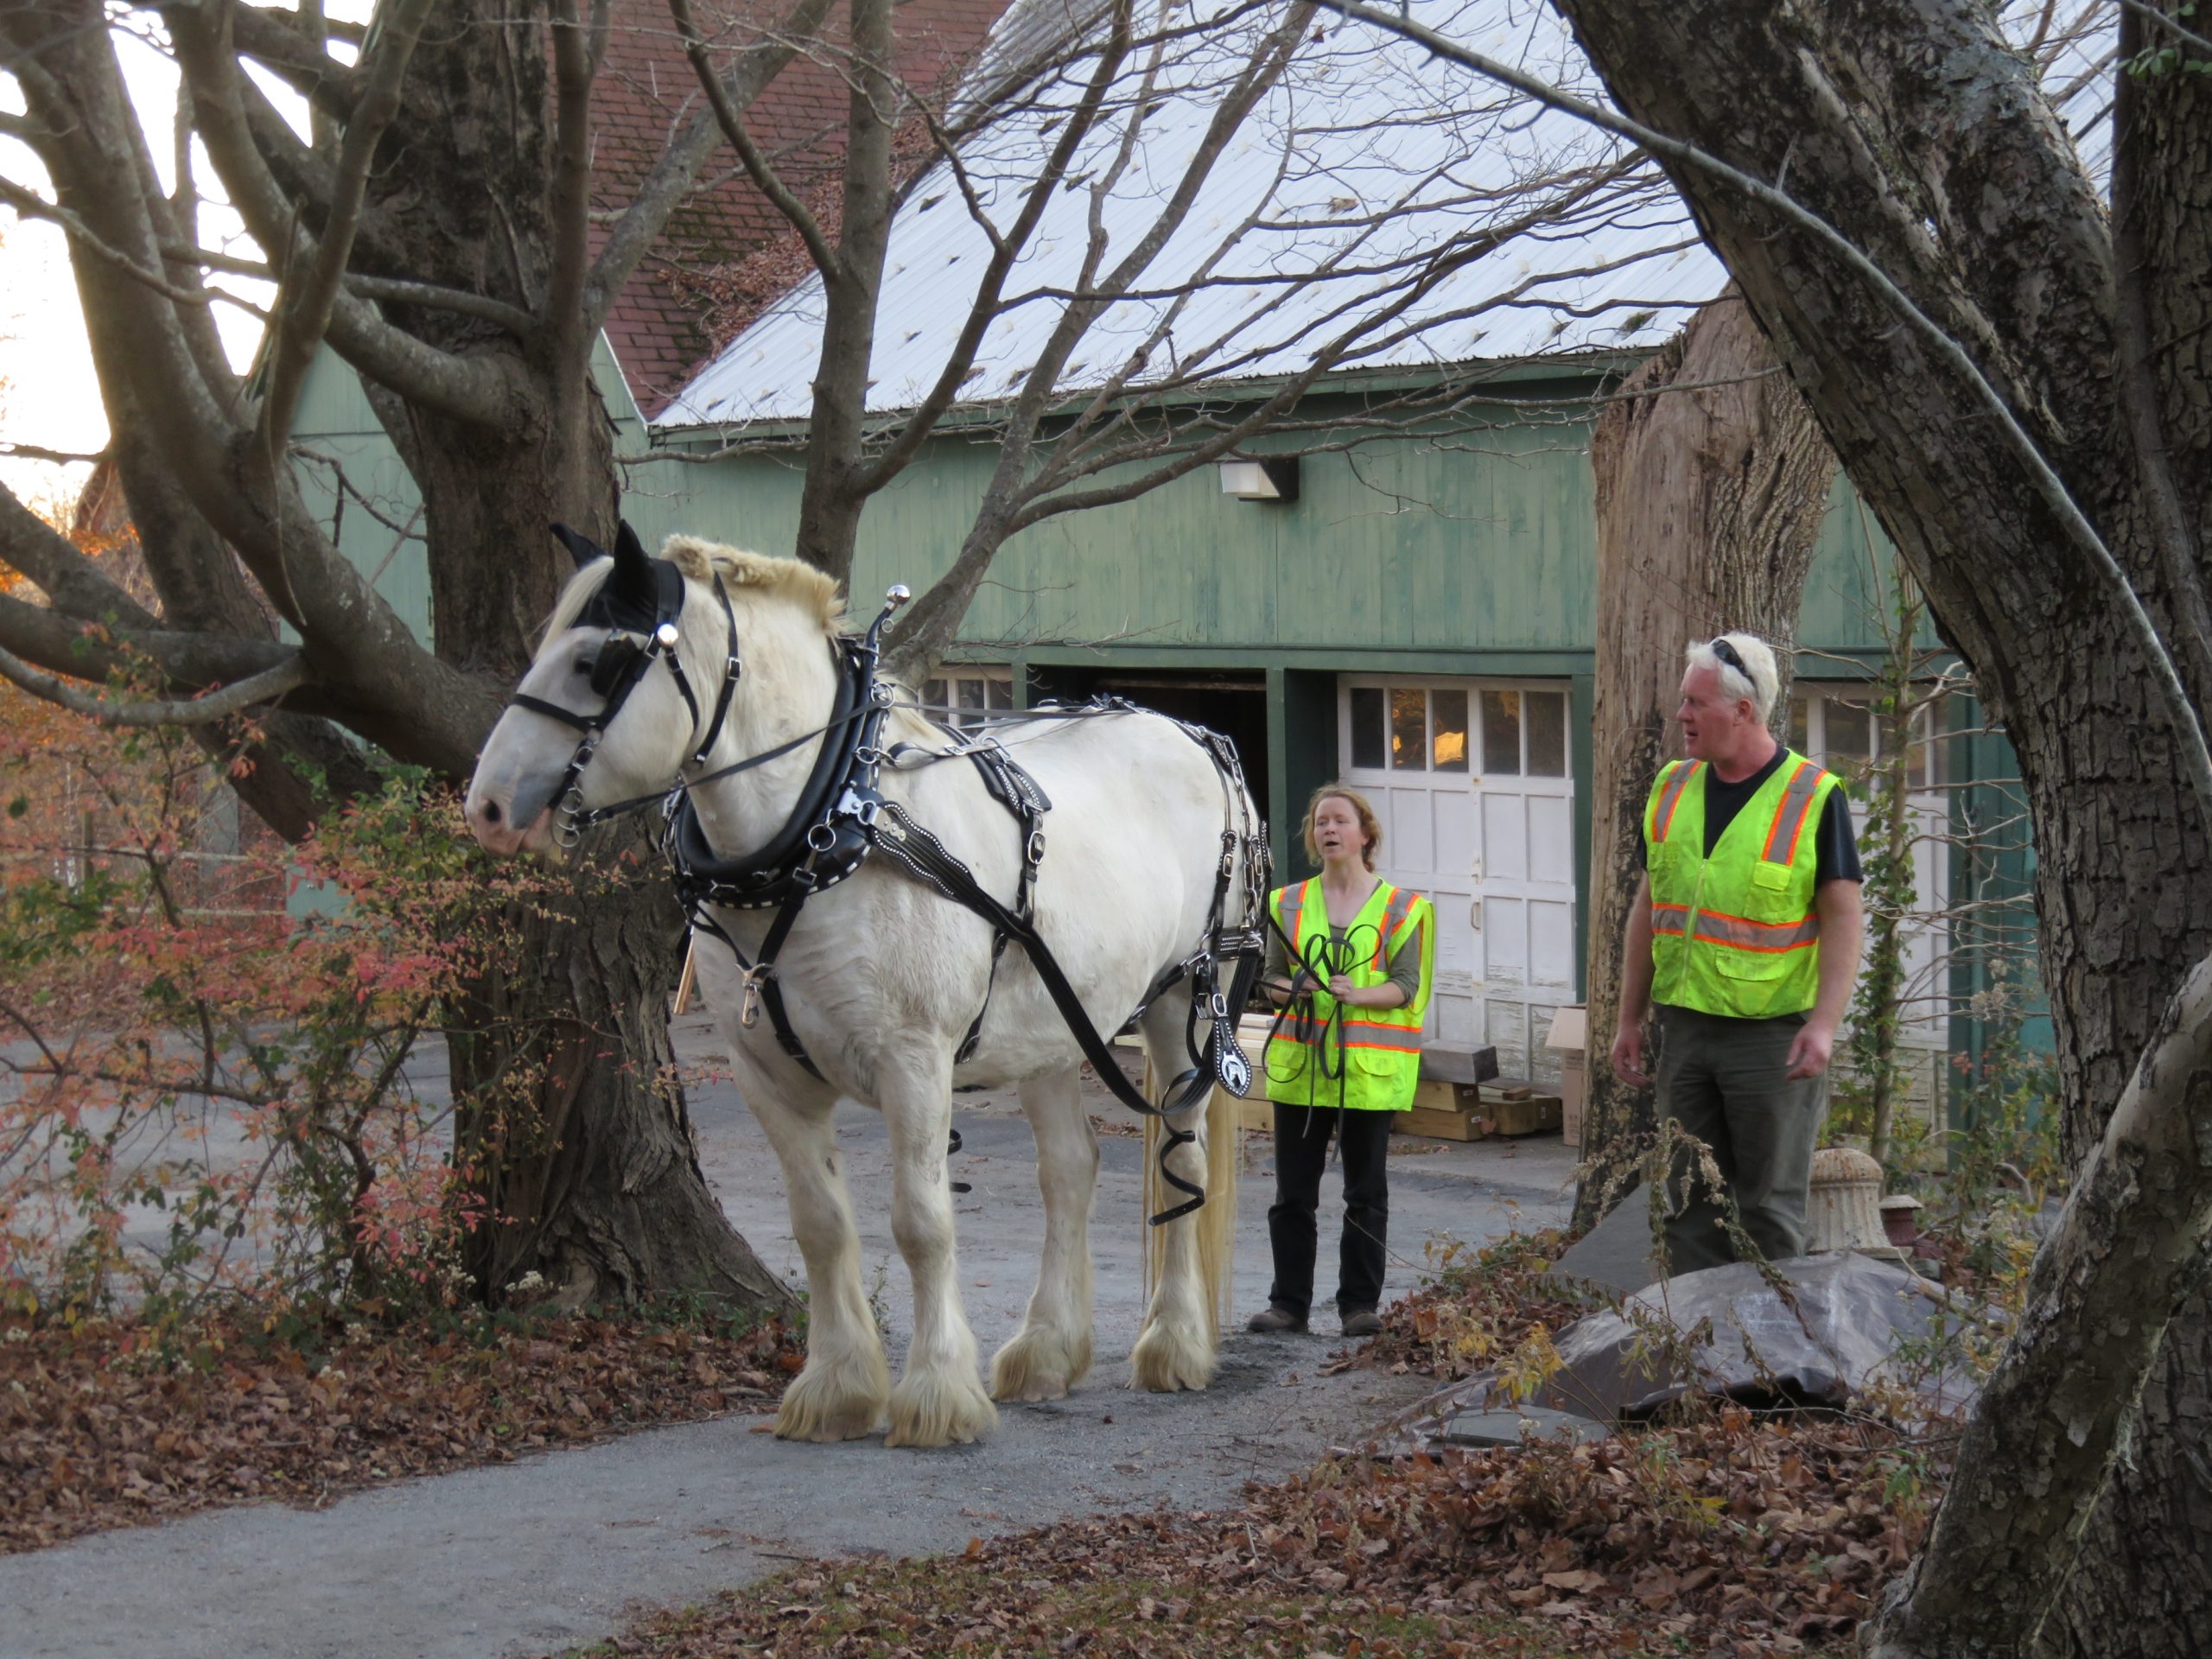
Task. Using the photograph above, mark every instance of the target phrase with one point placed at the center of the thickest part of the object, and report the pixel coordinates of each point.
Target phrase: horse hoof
(939, 1409)
(1164, 1361)
(1038, 1365)
(822, 1407)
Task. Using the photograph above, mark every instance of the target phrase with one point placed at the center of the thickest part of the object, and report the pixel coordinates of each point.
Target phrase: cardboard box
(1570, 1036)
(1446, 1096)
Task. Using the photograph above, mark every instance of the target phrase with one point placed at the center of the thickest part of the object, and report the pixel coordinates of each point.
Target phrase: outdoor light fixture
(1274, 479)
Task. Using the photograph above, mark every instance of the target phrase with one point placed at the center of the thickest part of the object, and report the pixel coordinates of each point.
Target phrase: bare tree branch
(647, 215)
(303, 309)
(578, 52)
(471, 390)
(199, 711)
(1007, 249)
(757, 165)
(190, 662)
(30, 205)
(69, 580)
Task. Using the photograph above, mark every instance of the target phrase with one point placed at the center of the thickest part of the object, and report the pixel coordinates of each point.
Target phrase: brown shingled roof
(646, 90)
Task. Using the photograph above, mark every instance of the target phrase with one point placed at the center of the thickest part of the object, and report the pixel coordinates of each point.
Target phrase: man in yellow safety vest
(1746, 933)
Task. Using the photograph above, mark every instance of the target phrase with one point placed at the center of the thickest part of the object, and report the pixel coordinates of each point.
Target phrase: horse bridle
(640, 604)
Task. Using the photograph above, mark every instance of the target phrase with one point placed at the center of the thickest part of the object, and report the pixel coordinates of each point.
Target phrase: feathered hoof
(1040, 1364)
(939, 1408)
(1167, 1359)
(838, 1402)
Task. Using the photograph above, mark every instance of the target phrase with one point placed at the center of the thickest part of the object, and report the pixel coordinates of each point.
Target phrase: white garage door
(1473, 782)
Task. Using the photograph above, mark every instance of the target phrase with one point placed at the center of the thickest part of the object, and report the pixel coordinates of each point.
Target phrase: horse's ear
(581, 549)
(633, 572)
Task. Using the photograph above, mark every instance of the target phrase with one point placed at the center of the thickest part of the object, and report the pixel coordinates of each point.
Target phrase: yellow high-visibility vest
(1737, 933)
(1373, 1062)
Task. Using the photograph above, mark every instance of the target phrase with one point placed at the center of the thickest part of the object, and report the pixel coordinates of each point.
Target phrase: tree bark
(1916, 131)
(575, 1122)
(1709, 501)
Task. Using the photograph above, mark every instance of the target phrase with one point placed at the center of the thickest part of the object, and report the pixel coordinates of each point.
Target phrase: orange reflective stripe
(1678, 779)
(1669, 918)
(1293, 912)
(1790, 810)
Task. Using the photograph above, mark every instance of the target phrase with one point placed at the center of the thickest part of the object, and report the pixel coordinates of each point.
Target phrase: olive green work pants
(1726, 1081)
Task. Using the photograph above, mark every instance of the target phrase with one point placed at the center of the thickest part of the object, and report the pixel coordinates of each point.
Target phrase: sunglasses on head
(1727, 653)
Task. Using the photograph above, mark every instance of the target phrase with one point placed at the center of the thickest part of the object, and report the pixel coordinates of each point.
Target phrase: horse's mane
(795, 579)
(810, 589)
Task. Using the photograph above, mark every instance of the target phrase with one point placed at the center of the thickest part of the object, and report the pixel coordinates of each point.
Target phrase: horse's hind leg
(1052, 1351)
(840, 1394)
(940, 1399)
(1176, 1347)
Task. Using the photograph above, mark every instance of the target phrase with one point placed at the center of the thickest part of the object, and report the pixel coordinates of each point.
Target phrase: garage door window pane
(1850, 737)
(1546, 734)
(1502, 733)
(1001, 695)
(1409, 728)
(1449, 750)
(1367, 740)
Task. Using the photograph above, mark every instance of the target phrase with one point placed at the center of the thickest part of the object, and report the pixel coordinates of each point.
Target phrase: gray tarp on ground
(1835, 1335)
(1852, 1313)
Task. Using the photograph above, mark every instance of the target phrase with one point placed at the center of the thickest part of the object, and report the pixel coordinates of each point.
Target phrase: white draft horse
(882, 975)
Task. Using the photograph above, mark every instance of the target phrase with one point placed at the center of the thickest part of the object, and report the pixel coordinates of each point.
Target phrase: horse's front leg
(1176, 1349)
(840, 1394)
(940, 1400)
(1052, 1351)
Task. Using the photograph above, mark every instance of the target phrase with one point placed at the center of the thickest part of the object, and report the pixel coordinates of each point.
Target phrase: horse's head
(636, 676)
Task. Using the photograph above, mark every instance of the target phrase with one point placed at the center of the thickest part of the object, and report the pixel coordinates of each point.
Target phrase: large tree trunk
(590, 1179)
(1915, 130)
(1709, 501)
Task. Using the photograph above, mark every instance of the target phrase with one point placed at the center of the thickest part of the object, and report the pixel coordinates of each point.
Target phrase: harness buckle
(1033, 850)
(1217, 1006)
(748, 1013)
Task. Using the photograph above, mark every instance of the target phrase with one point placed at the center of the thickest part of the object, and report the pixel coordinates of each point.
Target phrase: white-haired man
(1746, 933)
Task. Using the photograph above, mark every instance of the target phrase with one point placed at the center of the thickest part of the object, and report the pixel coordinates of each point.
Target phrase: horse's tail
(1215, 1219)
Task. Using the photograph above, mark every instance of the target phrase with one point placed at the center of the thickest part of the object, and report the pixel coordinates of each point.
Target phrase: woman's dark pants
(1301, 1151)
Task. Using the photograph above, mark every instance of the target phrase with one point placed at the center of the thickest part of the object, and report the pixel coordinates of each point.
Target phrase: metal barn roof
(1375, 201)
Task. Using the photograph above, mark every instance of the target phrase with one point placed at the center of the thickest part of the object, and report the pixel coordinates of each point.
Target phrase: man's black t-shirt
(1838, 848)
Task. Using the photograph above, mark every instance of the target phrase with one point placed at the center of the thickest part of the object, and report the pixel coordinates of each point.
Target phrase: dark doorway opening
(1235, 705)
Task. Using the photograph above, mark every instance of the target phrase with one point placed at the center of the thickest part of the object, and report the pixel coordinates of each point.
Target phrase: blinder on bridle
(640, 605)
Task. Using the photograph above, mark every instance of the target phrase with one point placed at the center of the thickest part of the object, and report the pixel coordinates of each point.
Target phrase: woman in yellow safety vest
(1344, 1056)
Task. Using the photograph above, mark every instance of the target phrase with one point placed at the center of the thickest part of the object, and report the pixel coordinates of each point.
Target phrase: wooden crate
(1536, 1115)
(1444, 1123)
